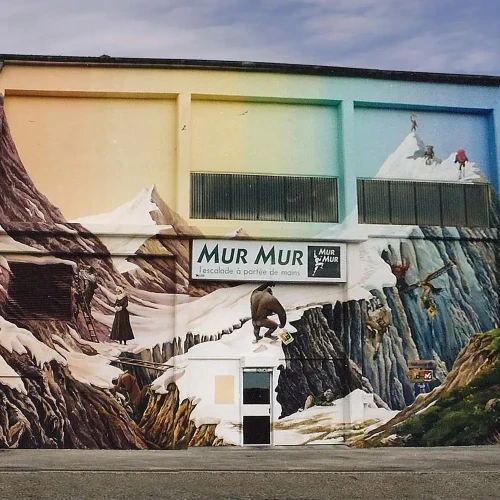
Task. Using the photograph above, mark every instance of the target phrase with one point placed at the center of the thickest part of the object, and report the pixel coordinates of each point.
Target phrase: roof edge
(251, 66)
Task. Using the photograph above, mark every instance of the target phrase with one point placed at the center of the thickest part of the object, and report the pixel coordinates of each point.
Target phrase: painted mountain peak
(408, 161)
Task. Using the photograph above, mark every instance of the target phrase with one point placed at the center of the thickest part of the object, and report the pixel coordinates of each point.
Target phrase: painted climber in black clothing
(89, 282)
(429, 154)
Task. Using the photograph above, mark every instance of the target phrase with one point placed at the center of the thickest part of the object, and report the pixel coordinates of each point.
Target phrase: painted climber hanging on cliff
(399, 270)
(377, 322)
(428, 289)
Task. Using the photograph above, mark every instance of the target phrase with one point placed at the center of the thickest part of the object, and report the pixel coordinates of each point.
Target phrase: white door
(256, 408)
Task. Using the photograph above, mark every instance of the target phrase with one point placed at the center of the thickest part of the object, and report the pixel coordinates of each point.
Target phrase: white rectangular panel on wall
(278, 261)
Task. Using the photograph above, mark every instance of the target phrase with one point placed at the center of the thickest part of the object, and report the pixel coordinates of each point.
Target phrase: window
(263, 197)
(423, 203)
(256, 388)
(39, 291)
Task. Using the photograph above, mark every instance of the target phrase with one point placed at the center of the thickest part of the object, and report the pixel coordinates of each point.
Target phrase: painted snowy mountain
(468, 302)
(150, 244)
(54, 390)
(57, 389)
(127, 228)
(408, 162)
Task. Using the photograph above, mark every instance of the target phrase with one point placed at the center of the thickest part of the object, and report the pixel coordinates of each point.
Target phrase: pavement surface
(315, 472)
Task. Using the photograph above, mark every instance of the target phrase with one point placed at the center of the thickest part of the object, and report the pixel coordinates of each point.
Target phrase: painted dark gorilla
(263, 304)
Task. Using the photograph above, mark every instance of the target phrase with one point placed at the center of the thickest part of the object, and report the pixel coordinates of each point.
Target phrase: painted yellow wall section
(262, 138)
(112, 132)
(157, 81)
(102, 152)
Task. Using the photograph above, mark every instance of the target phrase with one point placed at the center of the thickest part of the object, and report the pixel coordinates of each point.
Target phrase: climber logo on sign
(323, 261)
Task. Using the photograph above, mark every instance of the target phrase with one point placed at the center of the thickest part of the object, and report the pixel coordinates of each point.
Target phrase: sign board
(277, 261)
(286, 337)
(422, 364)
(417, 375)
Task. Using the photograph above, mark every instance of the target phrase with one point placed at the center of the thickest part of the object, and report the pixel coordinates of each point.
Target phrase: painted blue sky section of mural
(380, 131)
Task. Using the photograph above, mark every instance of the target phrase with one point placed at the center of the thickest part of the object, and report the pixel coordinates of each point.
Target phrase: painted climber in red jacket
(461, 159)
(399, 270)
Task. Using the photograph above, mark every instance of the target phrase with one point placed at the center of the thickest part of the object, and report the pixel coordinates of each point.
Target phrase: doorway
(257, 406)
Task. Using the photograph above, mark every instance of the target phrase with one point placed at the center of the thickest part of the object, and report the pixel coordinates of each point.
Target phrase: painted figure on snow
(263, 304)
(429, 154)
(413, 123)
(461, 159)
(324, 399)
(121, 329)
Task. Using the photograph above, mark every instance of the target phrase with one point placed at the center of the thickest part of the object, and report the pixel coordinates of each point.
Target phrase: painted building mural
(142, 354)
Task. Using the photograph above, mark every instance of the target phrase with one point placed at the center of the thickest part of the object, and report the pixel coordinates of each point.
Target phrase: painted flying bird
(431, 276)
(426, 301)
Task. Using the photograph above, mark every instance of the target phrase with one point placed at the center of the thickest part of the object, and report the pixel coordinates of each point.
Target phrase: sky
(449, 36)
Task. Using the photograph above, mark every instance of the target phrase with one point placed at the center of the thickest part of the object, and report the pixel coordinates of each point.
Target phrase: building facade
(200, 253)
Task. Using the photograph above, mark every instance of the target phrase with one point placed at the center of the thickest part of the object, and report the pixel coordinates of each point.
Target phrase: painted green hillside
(463, 410)
(464, 416)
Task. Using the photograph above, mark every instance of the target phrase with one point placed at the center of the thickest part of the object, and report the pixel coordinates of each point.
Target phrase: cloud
(454, 52)
(446, 36)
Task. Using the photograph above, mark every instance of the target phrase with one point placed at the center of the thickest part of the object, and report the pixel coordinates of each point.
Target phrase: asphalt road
(308, 472)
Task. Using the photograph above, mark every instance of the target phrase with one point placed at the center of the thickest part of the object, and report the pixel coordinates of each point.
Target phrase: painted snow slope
(21, 341)
(19, 252)
(408, 163)
(125, 229)
(219, 312)
(92, 370)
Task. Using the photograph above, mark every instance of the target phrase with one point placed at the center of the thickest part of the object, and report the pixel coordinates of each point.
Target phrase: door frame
(254, 369)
